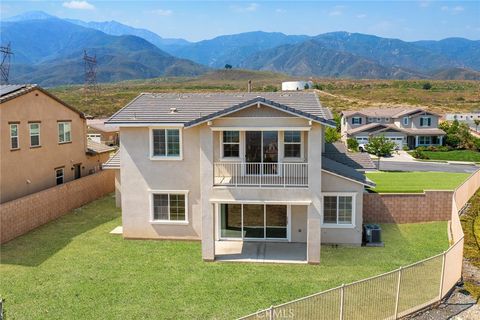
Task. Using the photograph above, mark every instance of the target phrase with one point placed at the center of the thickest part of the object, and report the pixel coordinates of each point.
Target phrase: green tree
(427, 86)
(228, 66)
(380, 146)
(332, 135)
(352, 144)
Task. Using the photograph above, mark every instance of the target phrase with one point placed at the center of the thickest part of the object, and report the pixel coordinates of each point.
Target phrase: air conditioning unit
(372, 234)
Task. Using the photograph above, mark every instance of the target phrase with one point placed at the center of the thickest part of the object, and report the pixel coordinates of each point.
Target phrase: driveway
(425, 166)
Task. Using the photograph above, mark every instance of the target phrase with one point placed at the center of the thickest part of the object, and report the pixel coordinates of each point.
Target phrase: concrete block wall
(407, 208)
(21, 215)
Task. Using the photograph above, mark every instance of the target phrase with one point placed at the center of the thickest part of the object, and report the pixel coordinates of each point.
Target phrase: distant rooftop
(385, 112)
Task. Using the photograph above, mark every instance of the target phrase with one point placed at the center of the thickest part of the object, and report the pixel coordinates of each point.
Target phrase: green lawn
(73, 268)
(415, 182)
(455, 155)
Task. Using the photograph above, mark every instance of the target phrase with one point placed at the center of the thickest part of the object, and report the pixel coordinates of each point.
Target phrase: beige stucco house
(234, 167)
(43, 142)
(97, 131)
(406, 127)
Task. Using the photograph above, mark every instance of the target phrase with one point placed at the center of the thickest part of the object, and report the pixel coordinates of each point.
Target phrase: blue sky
(198, 20)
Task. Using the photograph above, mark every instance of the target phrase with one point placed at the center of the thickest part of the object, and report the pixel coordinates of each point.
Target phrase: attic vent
(173, 110)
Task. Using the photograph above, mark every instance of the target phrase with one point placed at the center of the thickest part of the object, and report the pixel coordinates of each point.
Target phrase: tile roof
(193, 108)
(12, 91)
(113, 162)
(395, 112)
(99, 124)
(96, 147)
(358, 160)
(345, 171)
(391, 126)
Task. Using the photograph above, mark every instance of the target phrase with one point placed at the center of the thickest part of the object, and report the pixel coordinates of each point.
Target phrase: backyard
(415, 182)
(73, 268)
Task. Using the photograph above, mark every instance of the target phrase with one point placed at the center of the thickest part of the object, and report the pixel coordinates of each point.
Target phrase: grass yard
(415, 182)
(72, 268)
(455, 155)
(471, 251)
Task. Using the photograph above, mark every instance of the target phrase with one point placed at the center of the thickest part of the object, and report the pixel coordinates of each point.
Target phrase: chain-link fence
(393, 294)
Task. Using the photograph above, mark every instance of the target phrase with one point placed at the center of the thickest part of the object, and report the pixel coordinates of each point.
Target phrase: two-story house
(43, 142)
(234, 167)
(406, 127)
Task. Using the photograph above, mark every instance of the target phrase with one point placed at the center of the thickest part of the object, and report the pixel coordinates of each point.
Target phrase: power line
(6, 52)
(90, 68)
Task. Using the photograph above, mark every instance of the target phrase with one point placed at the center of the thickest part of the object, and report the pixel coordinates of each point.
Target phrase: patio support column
(315, 187)
(440, 140)
(206, 185)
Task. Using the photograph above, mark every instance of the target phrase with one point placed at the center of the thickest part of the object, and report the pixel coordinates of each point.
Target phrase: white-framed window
(292, 144)
(166, 143)
(405, 121)
(424, 140)
(59, 175)
(425, 121)
(339, 210)
(64, 131)
(34, 134)
(14, 142)
(356, 120)
(169, 207)
(387, 119)
(231, 144)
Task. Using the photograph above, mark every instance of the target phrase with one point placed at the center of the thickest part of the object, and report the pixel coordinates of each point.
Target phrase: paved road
(426, 166)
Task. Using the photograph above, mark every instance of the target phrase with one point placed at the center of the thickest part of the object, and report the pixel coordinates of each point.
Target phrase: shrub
(427, 86)
(405, 148)
(443, 148)
(432, 148)
(380, 146)
(352, 144)
(421, 148)
(419, 154)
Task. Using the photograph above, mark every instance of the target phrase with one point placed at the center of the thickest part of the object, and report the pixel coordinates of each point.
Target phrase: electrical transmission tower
(90, 67)
(5, 64)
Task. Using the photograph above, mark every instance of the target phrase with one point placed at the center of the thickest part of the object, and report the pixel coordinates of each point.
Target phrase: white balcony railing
(261, 174)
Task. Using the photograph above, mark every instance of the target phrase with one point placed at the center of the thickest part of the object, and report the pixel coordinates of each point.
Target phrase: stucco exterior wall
(28, 170)
(299, 224)
(347, 235)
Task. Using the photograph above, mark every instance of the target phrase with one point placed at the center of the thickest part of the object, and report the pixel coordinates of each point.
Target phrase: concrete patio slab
(117, 230)
(260, 251)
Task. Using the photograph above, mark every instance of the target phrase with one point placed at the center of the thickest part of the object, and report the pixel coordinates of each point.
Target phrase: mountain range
(49, 50)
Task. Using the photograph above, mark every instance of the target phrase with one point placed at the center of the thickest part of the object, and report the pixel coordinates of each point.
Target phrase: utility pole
(5, 63)
(90, 68)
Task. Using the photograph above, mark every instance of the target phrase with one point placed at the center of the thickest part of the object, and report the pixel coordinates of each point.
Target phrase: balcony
(257, 174)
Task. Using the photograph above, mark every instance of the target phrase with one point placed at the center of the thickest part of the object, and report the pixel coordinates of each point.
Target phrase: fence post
(443, 275)
(342, 300)
(397, 298)
(270, 313)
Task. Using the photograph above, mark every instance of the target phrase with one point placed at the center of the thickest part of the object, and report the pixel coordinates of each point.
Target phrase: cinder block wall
(19, 216)
(407, 208)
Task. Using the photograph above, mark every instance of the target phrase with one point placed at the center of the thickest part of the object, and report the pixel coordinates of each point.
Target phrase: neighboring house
(468, 118)
(234, 166)
(43, 142)
(406, 127)
(97, 131)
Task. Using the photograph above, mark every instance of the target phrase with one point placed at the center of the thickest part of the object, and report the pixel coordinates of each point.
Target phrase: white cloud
(163, 12)
(452, 10)
(280, 10)
(78, 5)
(248, 8)
(361, 16)
(336, 11)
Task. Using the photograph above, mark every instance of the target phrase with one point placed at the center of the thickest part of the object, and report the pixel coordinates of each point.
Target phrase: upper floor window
(64, 132)
(231, 144)
(356, 120)
(387, 119)
(338, 209)
(14, 144)
(425, 121)
(169, 207)
(292, 141)
(166, 143)
(405, 121)
(34, 134)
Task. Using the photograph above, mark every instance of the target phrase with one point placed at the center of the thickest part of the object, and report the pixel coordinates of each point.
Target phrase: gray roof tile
(345, 171)
(113, 162)
(193, 108)
(357, 160)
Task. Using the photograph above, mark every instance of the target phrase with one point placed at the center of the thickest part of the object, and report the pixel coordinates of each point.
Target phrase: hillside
(456, 74)
(312, 58)
(49, 51)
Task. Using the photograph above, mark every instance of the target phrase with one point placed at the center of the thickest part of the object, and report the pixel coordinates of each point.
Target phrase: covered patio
(261, 251)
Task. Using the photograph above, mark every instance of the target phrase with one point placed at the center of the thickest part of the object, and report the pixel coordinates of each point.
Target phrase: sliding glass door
(261, 152)
(253, 221)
